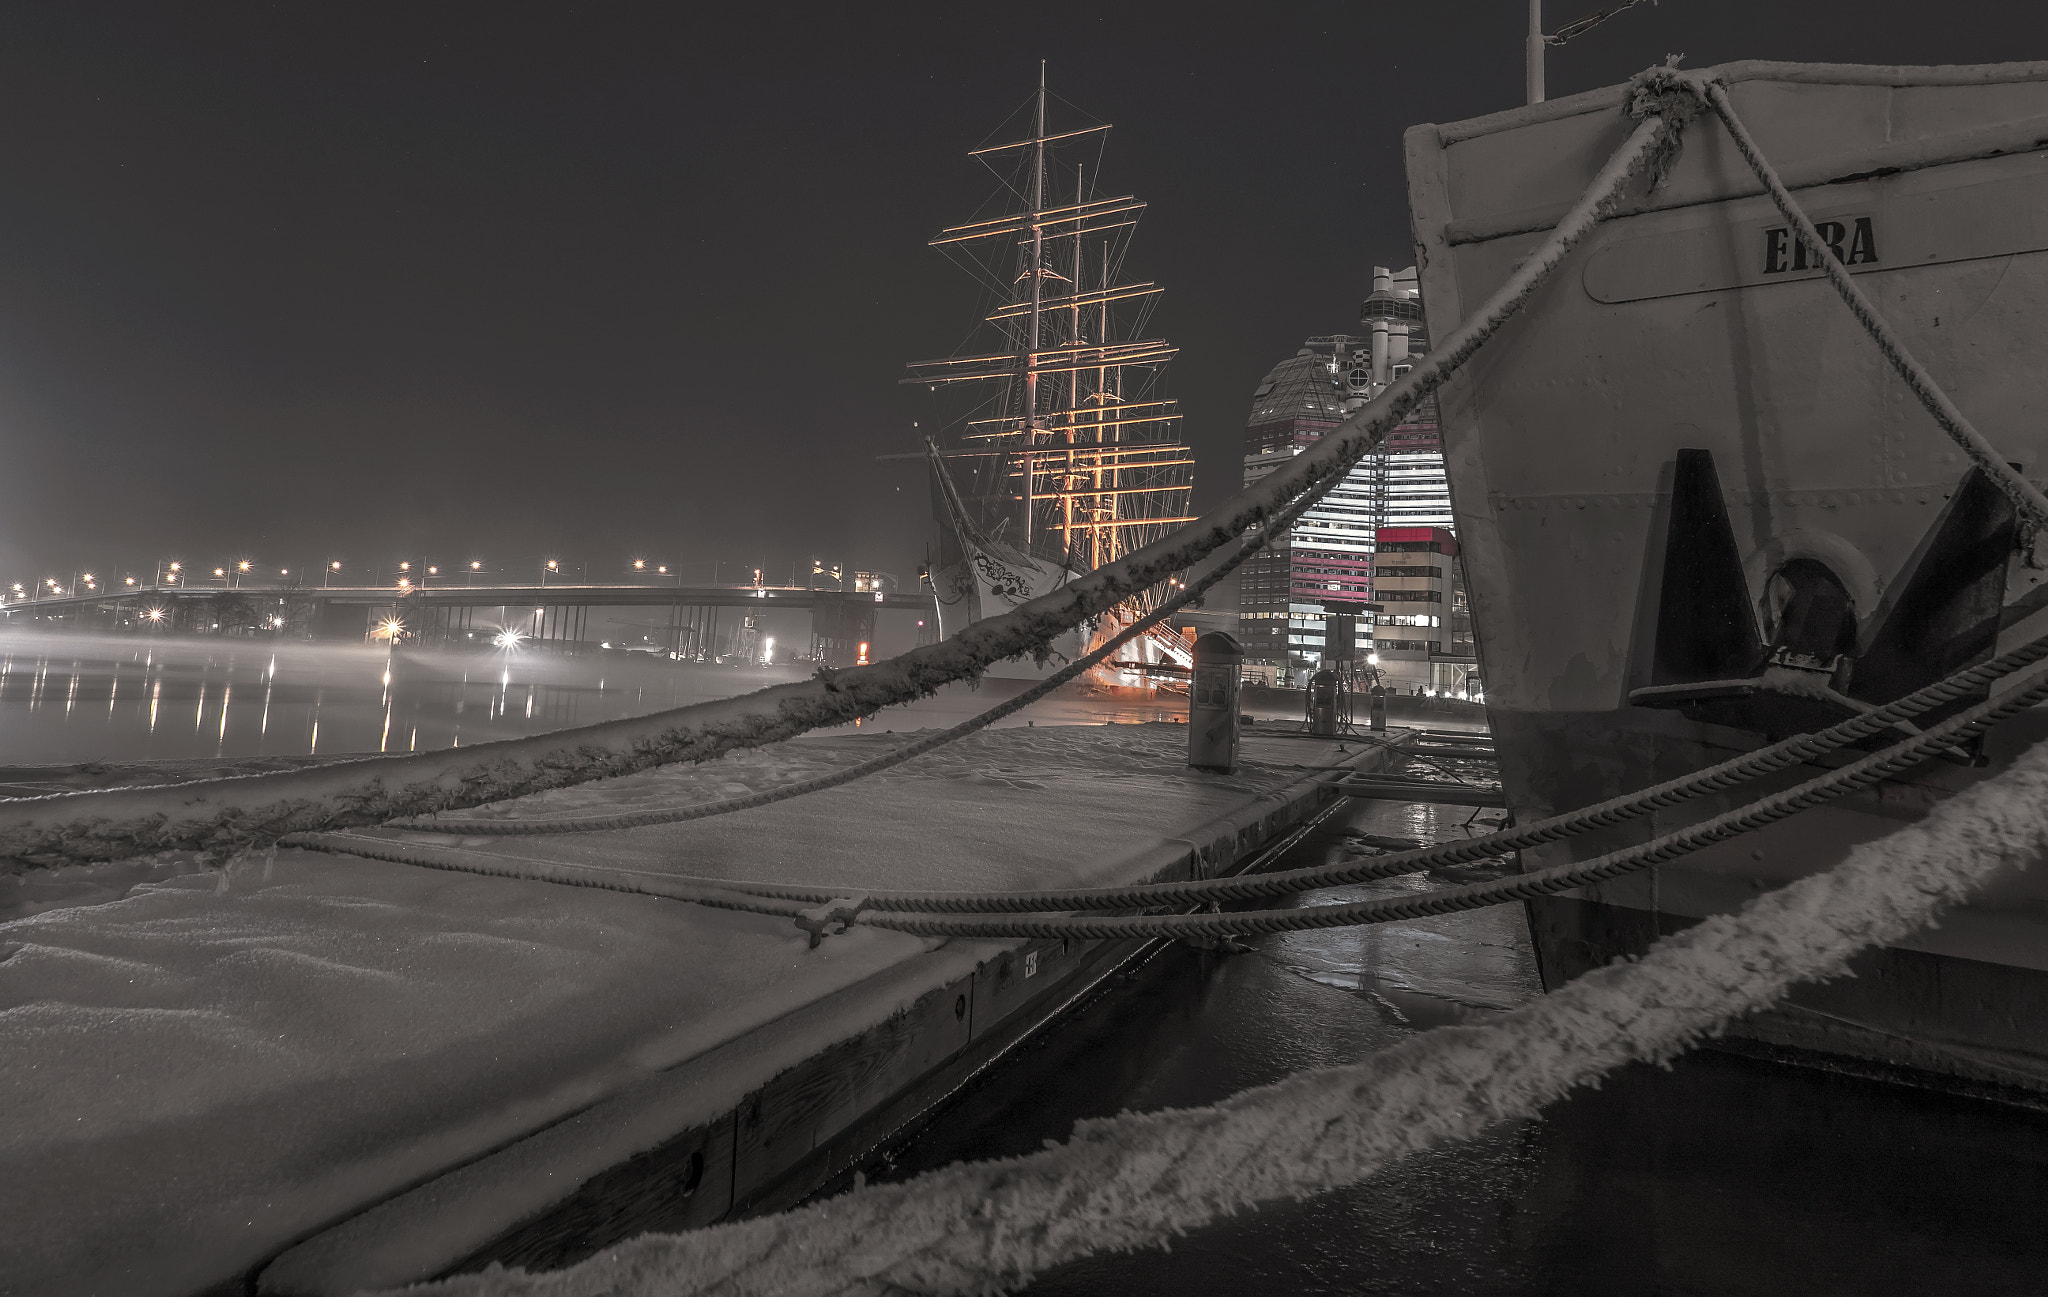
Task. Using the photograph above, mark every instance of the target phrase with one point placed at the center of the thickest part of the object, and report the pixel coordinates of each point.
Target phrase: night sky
(453, 281)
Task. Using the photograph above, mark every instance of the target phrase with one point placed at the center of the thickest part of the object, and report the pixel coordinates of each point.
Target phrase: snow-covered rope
(2026, 497)
(1139, 1180)
(1822, 788)
(850, 907)
(1728, 774)
(229, 815)
(873, 765)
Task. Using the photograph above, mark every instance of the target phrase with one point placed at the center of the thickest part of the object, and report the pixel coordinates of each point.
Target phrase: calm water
(75, 698)
(66, 698)
(1720, 1176)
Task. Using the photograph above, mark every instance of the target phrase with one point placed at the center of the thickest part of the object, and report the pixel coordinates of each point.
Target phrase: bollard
(1212, 703)
(1379, 708)
(1322, 704)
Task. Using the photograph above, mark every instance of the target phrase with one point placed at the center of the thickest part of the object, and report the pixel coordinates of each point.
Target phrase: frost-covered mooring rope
(237, 814)
(1826, 787)
(1139, 1180)
(874, 765)
(847, 908)
(1728, 774)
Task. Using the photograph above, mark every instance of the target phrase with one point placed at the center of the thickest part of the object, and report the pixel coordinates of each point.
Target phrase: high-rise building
(1327, 556)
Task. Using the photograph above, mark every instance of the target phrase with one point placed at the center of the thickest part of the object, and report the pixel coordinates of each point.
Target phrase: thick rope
(887, 760)
(2026, 497)
(853, 905)
(1141, 1180)
(528, 870)
(1251, 886)
(1517, 887)
(232, 815)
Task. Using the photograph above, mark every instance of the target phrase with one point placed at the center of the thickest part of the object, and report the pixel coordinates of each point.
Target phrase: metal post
(1533, 55)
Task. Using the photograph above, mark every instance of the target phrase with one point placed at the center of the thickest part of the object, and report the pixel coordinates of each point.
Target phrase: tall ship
(1700, 512)
(1054, 448)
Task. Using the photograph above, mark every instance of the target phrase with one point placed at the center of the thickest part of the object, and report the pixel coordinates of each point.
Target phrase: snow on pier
(226, 1062)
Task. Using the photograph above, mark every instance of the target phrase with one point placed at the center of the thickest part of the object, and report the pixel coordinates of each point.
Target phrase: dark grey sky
(454, 280)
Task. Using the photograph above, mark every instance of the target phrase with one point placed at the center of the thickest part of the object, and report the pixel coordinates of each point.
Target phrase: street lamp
(241, 570)
(333, 566)
(474, 568)
(552, 566)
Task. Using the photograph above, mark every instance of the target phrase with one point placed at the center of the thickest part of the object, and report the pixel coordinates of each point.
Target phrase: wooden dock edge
(756, 1125)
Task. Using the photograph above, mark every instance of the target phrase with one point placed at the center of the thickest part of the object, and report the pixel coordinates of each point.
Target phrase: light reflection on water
(73, 698)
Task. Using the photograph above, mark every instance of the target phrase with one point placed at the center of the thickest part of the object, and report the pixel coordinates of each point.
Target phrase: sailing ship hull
(1686, 455)
(988, 582)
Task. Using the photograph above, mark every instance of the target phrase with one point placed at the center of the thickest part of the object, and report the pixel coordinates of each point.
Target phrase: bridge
(700, 622)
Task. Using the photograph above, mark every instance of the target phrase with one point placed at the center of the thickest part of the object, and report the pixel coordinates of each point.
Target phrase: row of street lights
(411, 575)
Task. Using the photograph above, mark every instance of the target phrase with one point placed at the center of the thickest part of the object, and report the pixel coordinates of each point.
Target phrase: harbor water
(68, 698)
(1724, 1174)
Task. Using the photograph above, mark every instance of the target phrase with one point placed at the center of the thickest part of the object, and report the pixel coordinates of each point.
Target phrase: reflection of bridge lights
(508, 639)
(768, 651)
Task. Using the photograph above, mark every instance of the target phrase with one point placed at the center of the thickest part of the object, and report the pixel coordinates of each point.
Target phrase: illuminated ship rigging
(1058, 449)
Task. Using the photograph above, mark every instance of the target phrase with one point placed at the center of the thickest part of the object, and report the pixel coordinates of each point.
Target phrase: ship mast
(1035, 270)
(1115, 478)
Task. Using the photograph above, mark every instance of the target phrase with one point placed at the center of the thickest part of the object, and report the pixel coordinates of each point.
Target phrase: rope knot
(1675, 96)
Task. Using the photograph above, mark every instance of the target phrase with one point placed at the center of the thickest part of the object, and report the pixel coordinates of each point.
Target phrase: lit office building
(1327, 557)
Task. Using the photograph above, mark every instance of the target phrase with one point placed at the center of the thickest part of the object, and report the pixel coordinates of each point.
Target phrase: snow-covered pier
(326, 1073)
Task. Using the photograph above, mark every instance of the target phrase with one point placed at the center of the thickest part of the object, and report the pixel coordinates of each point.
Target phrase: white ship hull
(1686, 435)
